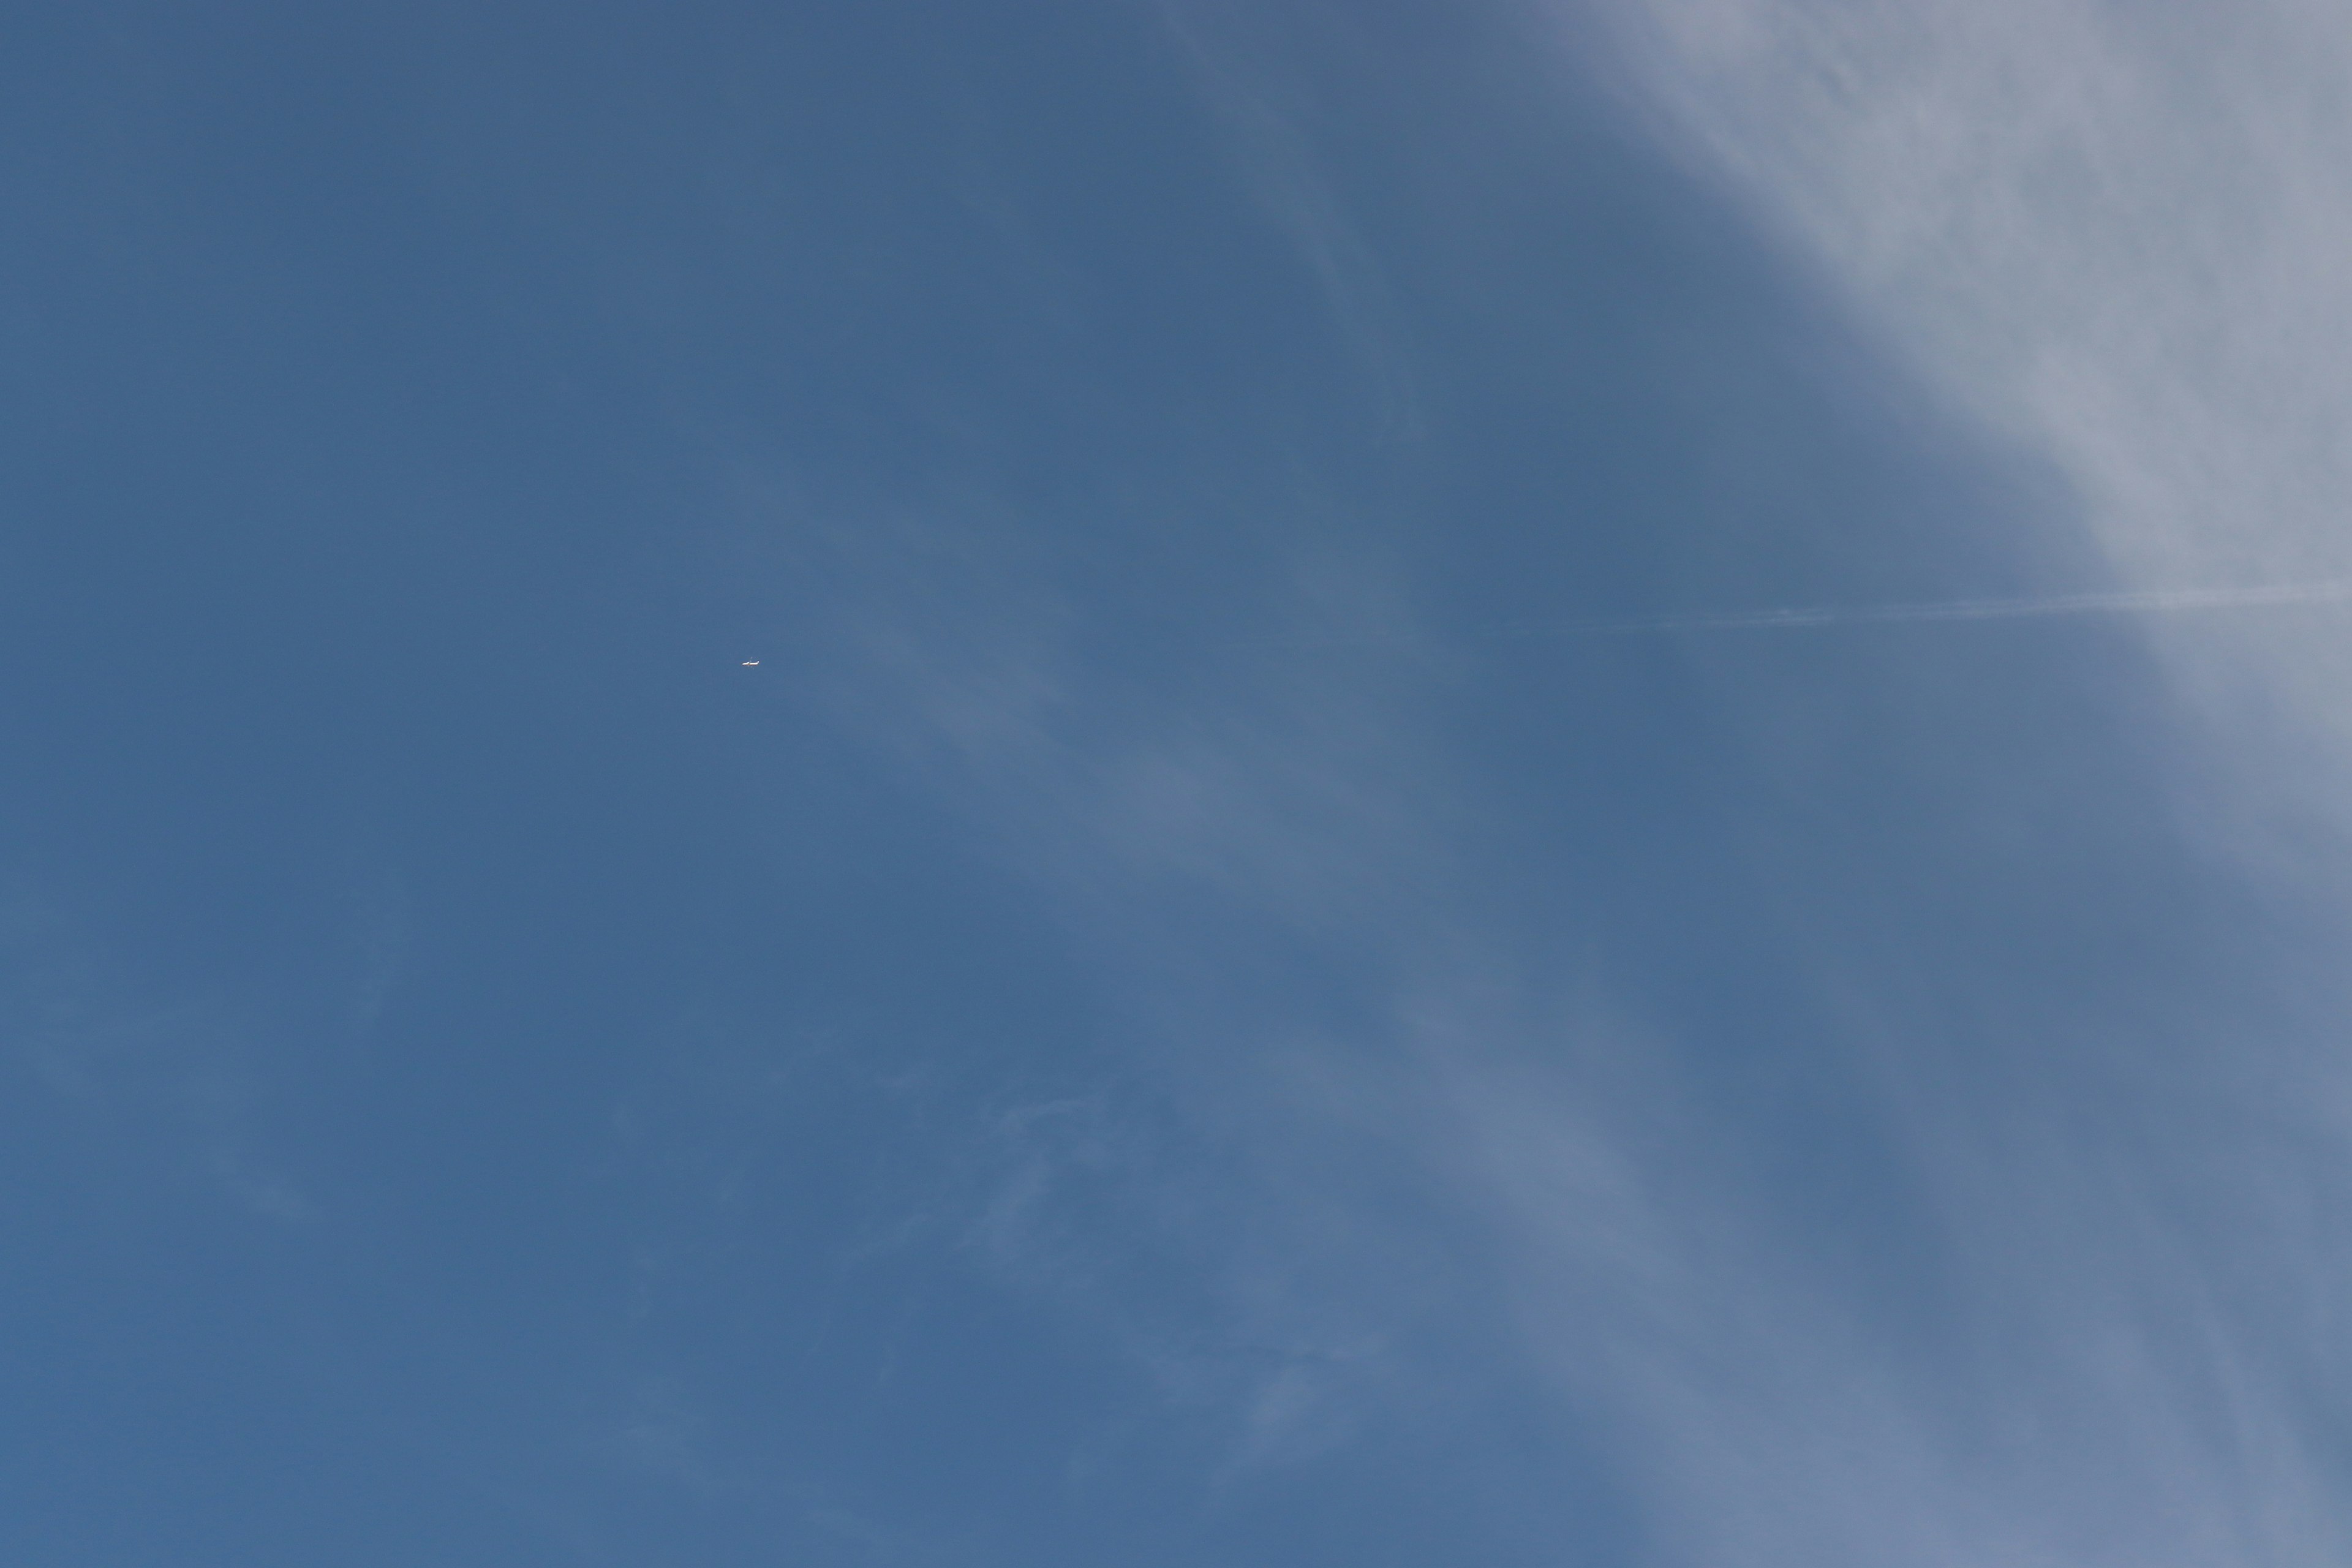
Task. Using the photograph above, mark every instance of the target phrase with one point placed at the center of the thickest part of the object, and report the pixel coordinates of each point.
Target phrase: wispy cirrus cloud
(2114, 233)
(2112, 236)
(1876, 1131)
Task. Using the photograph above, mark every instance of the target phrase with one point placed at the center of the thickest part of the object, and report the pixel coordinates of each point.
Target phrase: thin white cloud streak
(1279, 168)
(2055, 605)
(1799, 617)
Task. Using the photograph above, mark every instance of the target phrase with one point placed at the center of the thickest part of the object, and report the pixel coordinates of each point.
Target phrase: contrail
(2331, 591)
(2119, 602)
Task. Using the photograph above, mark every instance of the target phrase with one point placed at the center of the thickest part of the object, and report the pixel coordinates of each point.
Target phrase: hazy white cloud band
(2115, 232)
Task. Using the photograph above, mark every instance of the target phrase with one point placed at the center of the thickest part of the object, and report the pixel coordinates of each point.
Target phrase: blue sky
(1246, 981)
